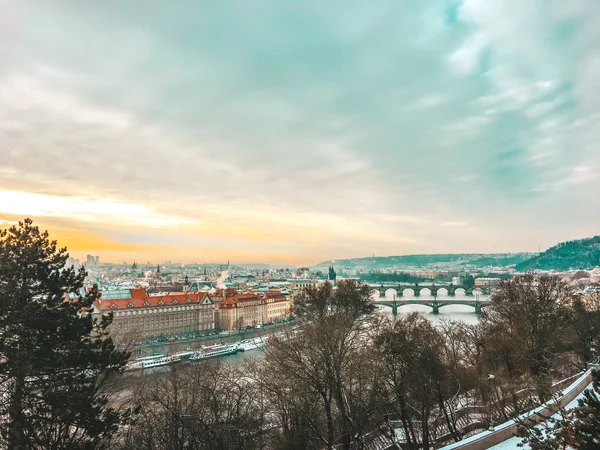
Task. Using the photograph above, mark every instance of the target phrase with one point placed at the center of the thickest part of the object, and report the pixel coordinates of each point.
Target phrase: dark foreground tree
(577, 429)
(54, 358)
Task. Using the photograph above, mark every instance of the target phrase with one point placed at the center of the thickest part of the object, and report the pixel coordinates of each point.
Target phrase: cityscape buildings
(138, 315)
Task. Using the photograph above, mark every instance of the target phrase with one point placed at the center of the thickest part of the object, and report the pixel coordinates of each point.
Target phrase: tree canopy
(54, 357)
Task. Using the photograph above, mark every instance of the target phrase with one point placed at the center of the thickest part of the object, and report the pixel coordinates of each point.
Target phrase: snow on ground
(513, 442)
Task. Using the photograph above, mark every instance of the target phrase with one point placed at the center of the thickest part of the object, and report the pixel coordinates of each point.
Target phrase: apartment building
(138, 315)
(238, 310)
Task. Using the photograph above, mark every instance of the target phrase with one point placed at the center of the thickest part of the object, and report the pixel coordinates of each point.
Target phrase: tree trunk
(330, 431)
(346, 437)
(425, 427)
(408, 426)
(450, 420)
(16, 433)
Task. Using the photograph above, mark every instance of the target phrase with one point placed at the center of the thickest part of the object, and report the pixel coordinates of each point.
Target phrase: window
(146, 303)
(175, 301)
(161, 302)
(130, 305)
(113, 306)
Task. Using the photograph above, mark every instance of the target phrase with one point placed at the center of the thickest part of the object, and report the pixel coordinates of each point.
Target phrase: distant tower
(134, 267)
(187, 281)
(158, 269)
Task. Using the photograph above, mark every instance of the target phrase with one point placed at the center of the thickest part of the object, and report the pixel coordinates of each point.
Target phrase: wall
(507, 430)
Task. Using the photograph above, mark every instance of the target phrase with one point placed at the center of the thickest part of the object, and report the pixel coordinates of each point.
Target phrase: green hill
(455, 261)
(581, 255)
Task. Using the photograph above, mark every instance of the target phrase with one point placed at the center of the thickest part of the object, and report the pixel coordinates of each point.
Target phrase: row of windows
(158, 310)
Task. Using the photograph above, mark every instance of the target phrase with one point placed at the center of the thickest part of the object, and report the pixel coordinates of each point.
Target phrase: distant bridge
(434, 289)
(433, 304)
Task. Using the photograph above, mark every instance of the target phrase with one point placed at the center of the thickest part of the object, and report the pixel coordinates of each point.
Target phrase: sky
(300, 131)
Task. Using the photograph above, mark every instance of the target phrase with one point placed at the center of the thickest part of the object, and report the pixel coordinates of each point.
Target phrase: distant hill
(577, 255)
(464, 260)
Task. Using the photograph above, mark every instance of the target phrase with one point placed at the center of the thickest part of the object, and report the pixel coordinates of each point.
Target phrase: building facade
(250, 309)
(138, 315)
(487, 282)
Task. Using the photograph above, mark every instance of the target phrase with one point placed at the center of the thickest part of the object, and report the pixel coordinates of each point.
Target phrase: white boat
(185, 355)
(164, 361)
(138, 363)
(251, 344)
(212, 351)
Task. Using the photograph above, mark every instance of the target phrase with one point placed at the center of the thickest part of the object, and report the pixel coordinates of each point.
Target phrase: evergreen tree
(54, 357)
(578, 428)
(586, 427)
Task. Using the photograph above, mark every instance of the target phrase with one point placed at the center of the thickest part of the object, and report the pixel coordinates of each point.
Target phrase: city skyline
(299, 133)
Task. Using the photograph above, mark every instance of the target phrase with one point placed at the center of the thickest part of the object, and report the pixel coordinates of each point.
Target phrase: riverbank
(224, 337)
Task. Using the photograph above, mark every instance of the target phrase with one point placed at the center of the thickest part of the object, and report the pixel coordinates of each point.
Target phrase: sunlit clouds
(84, 209)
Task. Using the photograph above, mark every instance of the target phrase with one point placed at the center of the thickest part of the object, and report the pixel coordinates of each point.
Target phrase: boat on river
(212, 351)
(251, 344)
(148, 362)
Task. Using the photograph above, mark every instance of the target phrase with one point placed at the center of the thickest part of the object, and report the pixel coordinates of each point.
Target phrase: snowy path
(513, 443)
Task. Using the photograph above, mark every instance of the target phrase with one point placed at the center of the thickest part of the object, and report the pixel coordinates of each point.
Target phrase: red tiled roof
(141, 299)
(139, 293)
(274, 295)
(236, 300)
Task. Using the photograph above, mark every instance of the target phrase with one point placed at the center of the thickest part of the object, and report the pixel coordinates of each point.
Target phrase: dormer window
(130, 305)
(113, 306)
(146, 303)
(187, 300)
(175, 301)
(161, 302)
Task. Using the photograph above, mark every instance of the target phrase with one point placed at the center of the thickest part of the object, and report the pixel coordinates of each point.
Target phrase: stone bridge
(434, 289)
(433, 304)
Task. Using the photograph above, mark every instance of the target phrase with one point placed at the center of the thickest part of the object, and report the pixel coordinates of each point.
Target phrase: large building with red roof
(138, 315)
(237, 310)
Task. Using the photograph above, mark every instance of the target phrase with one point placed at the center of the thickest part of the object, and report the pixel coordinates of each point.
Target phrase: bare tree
(417, 381)
(524, 329)
(323, 376)
(207, 406)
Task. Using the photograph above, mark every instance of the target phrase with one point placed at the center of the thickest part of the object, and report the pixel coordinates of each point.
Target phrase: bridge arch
(393, 291)
(435, 305)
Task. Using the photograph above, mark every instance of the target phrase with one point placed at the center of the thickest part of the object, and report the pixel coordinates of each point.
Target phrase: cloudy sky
(300, 131)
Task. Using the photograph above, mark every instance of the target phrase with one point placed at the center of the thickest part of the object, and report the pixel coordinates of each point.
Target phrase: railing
(507, 430)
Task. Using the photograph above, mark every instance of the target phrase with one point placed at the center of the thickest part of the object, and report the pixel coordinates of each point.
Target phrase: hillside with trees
(582, 254)
(466, 260)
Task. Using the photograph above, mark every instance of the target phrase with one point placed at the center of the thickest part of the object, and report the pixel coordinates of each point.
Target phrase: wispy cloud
(84, 209)
(321, 130)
